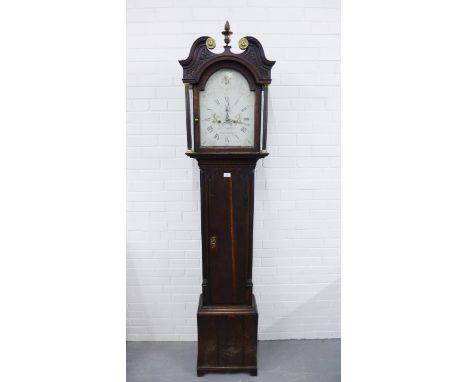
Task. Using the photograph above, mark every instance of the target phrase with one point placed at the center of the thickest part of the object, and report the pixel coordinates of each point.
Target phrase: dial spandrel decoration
(227, 108)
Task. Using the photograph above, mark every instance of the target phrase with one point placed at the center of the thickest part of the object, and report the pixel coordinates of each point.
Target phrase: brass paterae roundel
(210, 43)
(243, 43)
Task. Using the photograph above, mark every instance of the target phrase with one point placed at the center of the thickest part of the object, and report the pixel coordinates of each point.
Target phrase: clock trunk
(227, 192)
(227, 314)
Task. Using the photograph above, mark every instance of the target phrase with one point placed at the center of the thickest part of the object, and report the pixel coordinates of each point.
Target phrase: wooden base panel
(227, 338)
(201, 371)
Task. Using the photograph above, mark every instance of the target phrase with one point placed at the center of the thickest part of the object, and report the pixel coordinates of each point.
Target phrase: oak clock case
(226, 98)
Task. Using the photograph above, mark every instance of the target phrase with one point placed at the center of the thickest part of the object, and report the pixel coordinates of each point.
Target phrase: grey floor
(278, 361)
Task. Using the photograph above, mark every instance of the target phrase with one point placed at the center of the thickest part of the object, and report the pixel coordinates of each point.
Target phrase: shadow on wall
(139, 313)
(151, 313)
(318, 317)
(152, 316)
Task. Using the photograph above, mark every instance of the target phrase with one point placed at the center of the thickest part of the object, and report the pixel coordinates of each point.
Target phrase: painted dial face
(227, 107)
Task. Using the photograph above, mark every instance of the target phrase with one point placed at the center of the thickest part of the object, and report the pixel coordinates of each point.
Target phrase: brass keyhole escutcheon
(213, 242)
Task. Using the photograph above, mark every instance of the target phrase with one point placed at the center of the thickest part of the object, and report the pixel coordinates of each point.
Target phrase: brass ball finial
(227, 33)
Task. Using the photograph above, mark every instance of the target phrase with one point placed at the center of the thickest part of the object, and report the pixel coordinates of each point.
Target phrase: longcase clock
(226, 98)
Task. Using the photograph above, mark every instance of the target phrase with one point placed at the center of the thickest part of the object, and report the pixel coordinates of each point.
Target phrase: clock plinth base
(227, 338)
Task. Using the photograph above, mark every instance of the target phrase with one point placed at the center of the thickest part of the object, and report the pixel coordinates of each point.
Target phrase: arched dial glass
(227, 107)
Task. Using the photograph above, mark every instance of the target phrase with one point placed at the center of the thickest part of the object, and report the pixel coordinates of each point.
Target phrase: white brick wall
(297, 207)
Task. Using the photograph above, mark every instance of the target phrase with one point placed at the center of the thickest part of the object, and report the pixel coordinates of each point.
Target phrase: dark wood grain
(227, 316)
(227, 214)
(188, 118)
(200, 58)
(227, 338)
(265, 117)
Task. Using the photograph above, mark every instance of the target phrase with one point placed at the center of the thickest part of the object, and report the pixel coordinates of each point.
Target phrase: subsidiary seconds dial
(227, 110)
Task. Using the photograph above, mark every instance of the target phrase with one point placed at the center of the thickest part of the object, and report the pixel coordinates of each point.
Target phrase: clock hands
(227, 109)
(238, 120)
(227, 119)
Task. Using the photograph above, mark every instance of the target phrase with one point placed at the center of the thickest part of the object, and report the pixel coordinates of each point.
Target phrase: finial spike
(227, 33)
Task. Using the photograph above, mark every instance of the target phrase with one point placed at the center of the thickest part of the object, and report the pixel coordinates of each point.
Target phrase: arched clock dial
(227, 107)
